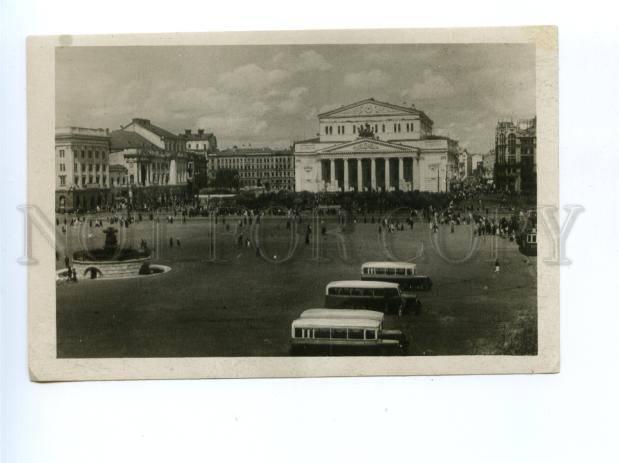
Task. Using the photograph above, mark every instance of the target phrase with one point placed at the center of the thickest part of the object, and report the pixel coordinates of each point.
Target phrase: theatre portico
(376, 147)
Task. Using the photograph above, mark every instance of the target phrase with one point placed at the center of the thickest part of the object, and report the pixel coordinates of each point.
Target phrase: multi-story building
(464, 164)
(476, 164)
(200, 141)
(82, 169)
(159, 170)
(199, 145)
(488, 163)
(257, 167)
(515, 151)
(372, 145)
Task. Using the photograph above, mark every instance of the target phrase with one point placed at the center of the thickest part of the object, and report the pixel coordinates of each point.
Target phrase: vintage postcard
(290, 204)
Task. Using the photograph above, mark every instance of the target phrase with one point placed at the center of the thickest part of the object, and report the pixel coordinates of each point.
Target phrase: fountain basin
(129, 268)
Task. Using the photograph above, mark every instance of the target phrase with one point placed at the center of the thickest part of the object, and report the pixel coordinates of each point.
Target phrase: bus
(379, 295)
(403, 273)
(342, 336)
(353, 314)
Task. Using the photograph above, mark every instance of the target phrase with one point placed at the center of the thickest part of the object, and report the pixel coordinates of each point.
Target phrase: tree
(226, 178)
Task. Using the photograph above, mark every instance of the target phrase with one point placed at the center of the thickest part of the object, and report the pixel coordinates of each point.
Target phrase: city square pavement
(241, 304)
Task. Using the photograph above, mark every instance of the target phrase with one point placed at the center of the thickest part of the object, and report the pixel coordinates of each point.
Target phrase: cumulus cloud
(309, 60)
(294, 100)
(252, 78)
(431, 85)
(238, 125)
(372, 78)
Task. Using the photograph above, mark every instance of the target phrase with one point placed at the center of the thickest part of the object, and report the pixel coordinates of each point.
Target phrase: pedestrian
(178, 242)
(74, 275)
(171, 242)
(497, 267)
(67, 262)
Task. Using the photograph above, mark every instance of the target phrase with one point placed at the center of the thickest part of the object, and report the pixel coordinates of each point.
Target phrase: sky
(266, 95)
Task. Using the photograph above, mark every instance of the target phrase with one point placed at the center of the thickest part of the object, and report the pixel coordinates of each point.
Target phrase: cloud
(294, 101)
(312, 61)
(251, 78)
(362, 79)
(239, 125)
(432, 85)
(309, 60)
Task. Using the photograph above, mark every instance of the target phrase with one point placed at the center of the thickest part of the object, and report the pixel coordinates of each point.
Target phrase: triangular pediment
(370, 107)
(368, 145)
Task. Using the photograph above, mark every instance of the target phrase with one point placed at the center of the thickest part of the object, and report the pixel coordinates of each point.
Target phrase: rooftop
(123, 139)
(406, 109)
(83, 131)
(336, 323)
(235, 151)
(199, 135)
(361, 284)
(163, 133)
(342, 313)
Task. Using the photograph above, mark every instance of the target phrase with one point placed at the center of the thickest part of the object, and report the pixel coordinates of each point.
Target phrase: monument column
(400, 174)
(359, 175)
(332, 173)
(345, 174)
(173, 172)
(387, 185)
(373, 173)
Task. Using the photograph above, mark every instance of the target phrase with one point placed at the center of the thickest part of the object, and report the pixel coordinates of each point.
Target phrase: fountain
(112, 261)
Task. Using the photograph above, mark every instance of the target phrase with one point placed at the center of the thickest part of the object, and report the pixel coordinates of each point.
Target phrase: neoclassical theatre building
(375, 146)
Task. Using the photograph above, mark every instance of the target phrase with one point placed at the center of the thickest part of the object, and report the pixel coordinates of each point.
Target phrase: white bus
(342, 336)
(352, 314)
(402, 273)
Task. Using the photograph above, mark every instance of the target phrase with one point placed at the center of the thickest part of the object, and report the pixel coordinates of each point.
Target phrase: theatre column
(373, 173)
(416, 172)
(345, 174)
(359, 175)
(387, 185)
(332, 173)
(400, 174)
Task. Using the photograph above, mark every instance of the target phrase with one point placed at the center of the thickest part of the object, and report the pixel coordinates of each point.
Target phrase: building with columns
(82, 169)
(156, 162)
(375, 146)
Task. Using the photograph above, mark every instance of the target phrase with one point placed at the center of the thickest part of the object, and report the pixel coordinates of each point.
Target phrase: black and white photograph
(336, 200)
(284, 232)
